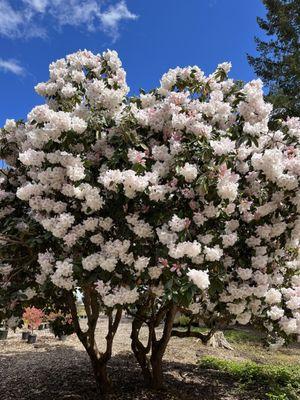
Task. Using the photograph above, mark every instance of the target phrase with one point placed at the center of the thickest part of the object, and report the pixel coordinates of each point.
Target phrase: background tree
(278, 62)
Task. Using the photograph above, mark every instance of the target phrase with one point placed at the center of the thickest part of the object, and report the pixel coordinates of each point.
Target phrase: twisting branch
(113, 325)
(189, 333)
(91, 306)
(73, 309)
(163, 341)
(161, 314)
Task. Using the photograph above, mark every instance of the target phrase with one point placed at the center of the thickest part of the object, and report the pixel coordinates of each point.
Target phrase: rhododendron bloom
(199, 278)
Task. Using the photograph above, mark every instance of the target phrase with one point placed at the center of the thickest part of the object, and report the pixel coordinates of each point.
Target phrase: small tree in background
(33, 317)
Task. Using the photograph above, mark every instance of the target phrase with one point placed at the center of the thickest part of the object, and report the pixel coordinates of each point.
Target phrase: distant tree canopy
(278, 62)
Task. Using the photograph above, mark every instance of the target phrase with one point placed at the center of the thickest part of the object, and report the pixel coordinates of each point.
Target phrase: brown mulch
(53, 370)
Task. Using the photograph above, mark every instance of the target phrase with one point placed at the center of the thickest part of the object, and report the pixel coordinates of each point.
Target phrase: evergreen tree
(278, 63)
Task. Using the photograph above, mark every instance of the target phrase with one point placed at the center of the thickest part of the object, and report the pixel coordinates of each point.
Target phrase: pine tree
(278, 63)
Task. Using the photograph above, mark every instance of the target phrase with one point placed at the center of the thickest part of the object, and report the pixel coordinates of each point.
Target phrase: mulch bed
(53, 370)
(65, 373)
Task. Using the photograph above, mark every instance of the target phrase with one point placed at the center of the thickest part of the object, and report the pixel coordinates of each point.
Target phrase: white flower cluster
(117, 296)
(63, 275)
(199, 278)
(131, 181)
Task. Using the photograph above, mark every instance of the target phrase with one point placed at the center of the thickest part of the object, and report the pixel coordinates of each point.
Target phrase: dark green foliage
(278, 62)
(62, 325)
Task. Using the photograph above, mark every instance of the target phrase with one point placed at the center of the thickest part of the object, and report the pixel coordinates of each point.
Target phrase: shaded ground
(60, 370)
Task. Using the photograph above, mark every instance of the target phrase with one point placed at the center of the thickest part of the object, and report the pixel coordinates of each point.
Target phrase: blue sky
(150, 36)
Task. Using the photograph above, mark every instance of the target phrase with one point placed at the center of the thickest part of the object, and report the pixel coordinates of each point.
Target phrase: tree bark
(157, 379)
(152, 368)
(140, 351)
(214, 338)
(159, 348)
(98, 359)
(204, 337)
(145, 367)
(103, 382)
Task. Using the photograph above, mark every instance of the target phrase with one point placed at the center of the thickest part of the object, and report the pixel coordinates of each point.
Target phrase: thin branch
(112, 329)
(189, 333)
(73, 309)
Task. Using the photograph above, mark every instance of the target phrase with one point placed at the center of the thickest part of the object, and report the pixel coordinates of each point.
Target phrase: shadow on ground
(62, 372)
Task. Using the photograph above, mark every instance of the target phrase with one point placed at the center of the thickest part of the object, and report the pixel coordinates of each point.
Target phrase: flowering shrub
(21, 239)
(33, 317)
(17, 279)
(186, 197)
(60, 324)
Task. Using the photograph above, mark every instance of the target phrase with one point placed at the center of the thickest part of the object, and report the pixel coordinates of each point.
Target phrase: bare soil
(52, 369)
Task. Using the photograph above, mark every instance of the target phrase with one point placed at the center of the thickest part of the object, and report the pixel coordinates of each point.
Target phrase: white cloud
(10, 20)
(31, 17)
(37, 5)
(75, 12)
(12, 66)
(111, 18)
(15, 23)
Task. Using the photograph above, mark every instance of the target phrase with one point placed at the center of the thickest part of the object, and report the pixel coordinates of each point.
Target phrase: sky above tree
(150, 37)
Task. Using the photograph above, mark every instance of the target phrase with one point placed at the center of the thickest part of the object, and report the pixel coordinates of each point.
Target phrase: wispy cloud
(10, 20)
(37, 5)
(111, 18)
(31, 16)
(12, 66)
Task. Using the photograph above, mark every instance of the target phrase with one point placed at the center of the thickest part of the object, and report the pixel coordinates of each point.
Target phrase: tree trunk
(143, 361)
(157, 380)
(98, 360)
(103, 382)
(152, 369)
(140, 351)
(159, 348)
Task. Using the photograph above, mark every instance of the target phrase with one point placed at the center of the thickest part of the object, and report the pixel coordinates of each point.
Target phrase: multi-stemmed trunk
(98, 359)
(150, 356)
(99, 365)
